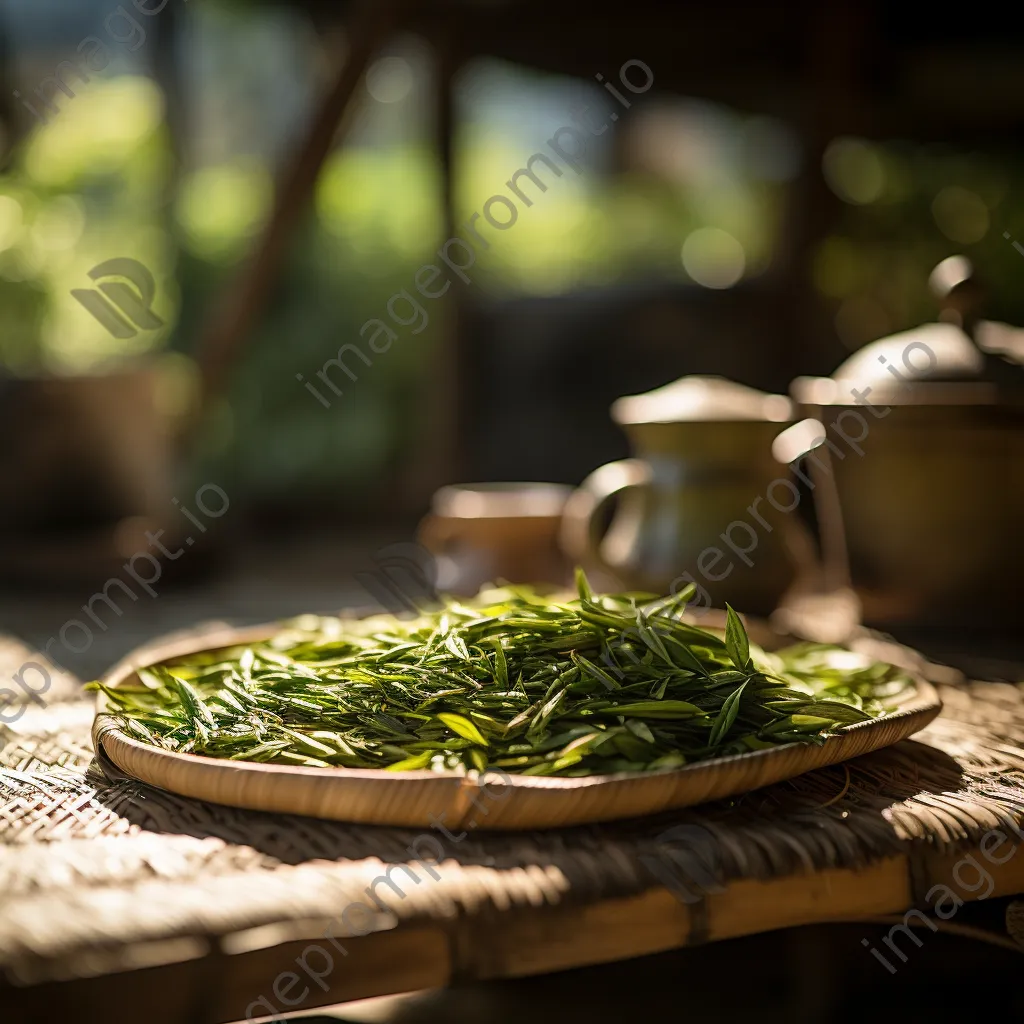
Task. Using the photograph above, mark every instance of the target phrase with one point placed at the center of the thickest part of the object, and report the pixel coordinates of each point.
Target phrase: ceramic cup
(494, 531)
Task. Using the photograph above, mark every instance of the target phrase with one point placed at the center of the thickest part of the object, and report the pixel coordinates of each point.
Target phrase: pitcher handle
(824, 607)
(808, 438)
(579, 535)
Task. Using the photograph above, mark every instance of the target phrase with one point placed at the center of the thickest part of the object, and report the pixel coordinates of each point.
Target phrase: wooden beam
(512, 944)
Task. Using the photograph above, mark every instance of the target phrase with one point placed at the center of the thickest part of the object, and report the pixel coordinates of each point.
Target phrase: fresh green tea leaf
(727, 716)
(736, 640)
(543, 686)
(464, 727)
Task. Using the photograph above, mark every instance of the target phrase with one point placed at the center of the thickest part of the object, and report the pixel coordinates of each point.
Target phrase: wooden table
(114, 895)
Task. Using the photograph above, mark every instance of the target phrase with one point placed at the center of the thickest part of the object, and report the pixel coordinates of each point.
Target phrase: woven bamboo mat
(95, 866)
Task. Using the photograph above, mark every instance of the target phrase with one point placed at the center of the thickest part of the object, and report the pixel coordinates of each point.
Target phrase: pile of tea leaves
(511, 680)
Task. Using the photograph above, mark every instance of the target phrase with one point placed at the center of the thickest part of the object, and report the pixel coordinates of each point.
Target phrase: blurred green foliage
(687, 193)
(83, 189)
(907, 206)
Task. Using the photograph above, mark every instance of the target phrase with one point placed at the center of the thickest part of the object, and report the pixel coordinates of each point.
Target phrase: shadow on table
(843, 815)
(803, 975)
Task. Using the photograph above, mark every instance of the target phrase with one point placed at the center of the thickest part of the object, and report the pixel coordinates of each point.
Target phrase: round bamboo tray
(424, 799)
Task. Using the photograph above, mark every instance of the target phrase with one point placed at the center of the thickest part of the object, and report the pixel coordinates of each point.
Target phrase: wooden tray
(422, 799)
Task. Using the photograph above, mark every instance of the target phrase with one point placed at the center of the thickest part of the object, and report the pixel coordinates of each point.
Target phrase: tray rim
(131, 755)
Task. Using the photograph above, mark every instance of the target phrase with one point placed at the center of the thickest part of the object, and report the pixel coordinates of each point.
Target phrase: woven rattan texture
(92, 861)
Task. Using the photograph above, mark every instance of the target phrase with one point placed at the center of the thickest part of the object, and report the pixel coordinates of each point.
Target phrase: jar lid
(702, 399)
(935, 364)
(932, 352)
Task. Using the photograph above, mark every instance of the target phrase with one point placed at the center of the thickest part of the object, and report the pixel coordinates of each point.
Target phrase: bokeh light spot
(713, 258)
(219, 206)
(389, 79)
(854, 171)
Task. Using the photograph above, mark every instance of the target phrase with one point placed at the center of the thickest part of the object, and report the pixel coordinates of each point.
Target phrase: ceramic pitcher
(702, 500)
